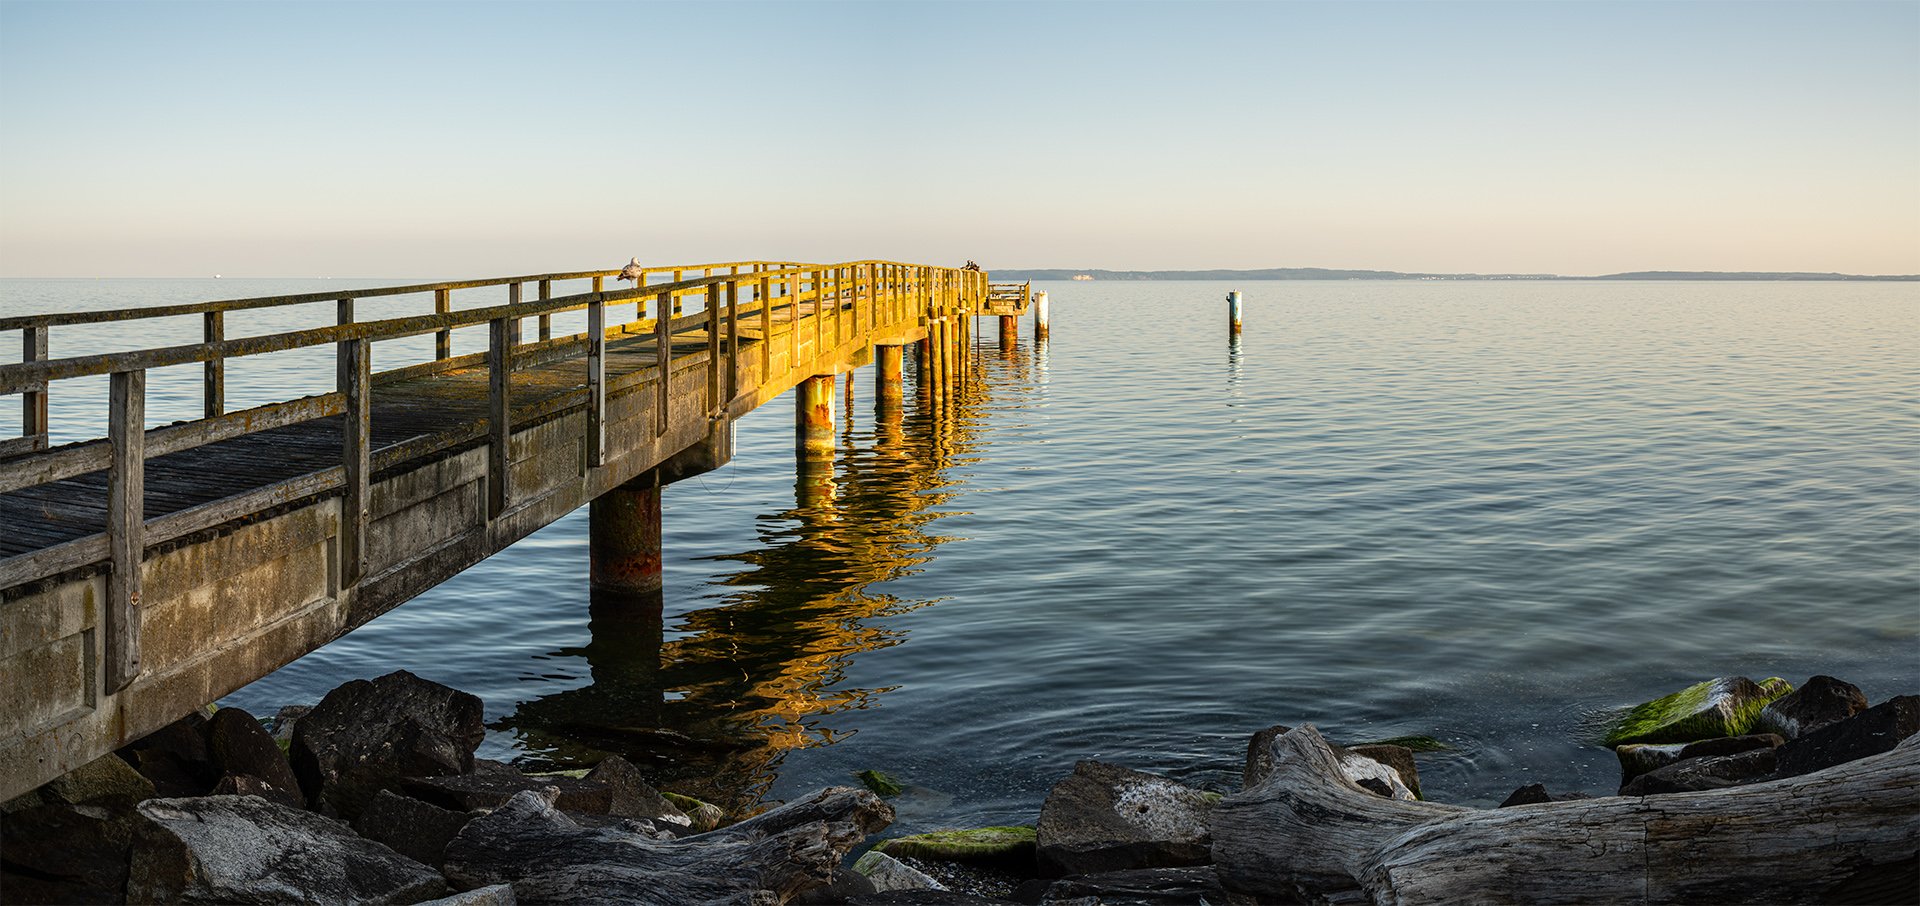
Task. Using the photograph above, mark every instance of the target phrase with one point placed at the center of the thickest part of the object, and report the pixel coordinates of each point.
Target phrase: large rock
(248, 785)
(238, 745)
(497, 895)
(418, 830)
(1709, 773)
(1108, 818)
(1727, 706)
(244, 849)
(1875, 730)
(1822, 701)
(365, 736)
(1639, 758)
(846, 883)
(632, 796)
(60, 852)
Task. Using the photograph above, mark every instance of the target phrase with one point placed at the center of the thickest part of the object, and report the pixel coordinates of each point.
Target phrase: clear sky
(445, 140)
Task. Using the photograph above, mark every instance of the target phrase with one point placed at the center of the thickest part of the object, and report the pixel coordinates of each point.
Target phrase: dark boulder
(238, 745)
(1822, 701)
(1107, 818)
(365, 736)
(1875, 730)
(1531, 794)
(244, 849)
(60, 853)
(633, 797)
(845, 884)
(1709, 773)
(106, 780)
(1637, 759)
(1399, 758)
(418, 830)
(1260, 756)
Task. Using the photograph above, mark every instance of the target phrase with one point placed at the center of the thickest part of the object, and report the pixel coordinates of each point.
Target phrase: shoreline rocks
(379, 799)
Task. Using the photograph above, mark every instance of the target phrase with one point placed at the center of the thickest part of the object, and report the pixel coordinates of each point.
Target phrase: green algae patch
(705, 815)
(1416, 743)
(880, 782)
(1727, 706)
(575, 773)
(1009, 847)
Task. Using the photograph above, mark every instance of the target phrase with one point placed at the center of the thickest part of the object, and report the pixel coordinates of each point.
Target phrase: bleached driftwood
(761, 861)
(1848, 834)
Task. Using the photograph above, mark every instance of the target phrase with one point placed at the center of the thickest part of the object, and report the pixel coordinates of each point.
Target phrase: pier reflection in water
(711, 708)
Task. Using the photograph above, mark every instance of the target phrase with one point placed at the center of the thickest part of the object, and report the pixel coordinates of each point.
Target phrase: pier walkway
(147, 573)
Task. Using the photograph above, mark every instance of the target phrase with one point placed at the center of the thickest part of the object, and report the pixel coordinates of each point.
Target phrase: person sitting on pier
(633, 271)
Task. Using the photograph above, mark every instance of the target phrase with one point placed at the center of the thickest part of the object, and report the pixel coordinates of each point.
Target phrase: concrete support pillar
(1039, 316)
(623, 536)
(813, 418)
(886, 379)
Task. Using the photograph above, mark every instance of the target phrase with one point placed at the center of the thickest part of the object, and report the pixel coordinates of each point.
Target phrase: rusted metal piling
(623, 536)
(813, 417)
(886, 378)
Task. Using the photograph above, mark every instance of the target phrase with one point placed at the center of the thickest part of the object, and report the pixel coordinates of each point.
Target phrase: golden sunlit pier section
(154, 570)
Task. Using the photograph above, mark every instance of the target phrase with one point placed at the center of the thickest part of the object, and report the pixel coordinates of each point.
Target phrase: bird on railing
(633, 271)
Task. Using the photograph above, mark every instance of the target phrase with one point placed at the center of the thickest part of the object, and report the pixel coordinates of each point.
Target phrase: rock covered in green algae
(993, 845)
(705, 816)
(880, 783)
(1727, 706)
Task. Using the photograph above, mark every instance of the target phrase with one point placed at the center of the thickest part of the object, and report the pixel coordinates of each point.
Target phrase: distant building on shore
(1083, 276)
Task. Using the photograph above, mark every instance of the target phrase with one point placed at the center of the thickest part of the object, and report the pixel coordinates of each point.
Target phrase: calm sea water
(1475, 511)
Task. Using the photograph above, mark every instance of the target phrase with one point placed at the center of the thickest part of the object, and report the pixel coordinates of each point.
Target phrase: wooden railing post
(676, 297)
(819, 312)
(126, 525)
(713, 348)
(357, 457)
(443, 339)
(596, 379)
(33, 403)
(793, 321)
(546, 318)
(499, 414)
(344, 309)
(733, 339)
(766, 329)
(214, 376)
(663, 352)
(513, 324)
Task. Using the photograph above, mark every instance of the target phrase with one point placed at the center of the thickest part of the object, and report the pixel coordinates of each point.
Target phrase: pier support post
(1039, 316)
(1009, 332)
(813, 418)
(623, 529)
(886, 379)
(1233, 310)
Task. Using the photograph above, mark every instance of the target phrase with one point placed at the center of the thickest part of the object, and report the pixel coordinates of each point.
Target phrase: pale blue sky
(449, 140)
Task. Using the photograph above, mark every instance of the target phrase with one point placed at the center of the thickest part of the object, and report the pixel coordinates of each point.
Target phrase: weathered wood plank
(126, 508)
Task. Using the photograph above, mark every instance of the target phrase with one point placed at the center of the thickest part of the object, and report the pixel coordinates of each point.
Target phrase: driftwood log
(761, 861)
(1848, 834)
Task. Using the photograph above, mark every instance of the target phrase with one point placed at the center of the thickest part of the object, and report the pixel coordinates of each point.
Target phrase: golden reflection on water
(711, 712)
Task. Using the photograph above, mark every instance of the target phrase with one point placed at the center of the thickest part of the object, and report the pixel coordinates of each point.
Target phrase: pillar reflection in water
(709, 705)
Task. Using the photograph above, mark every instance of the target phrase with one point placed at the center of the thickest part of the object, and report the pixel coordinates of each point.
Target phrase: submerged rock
(1110, 818)
(1727, 706)
(244, 849)
(632, 796)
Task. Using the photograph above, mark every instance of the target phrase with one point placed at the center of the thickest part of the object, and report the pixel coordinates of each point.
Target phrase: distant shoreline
(1316, 273)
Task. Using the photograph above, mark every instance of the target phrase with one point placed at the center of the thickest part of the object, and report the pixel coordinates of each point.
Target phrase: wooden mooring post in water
(149, 572)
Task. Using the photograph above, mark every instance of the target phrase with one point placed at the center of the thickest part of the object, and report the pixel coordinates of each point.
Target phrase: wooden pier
(147, 573)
